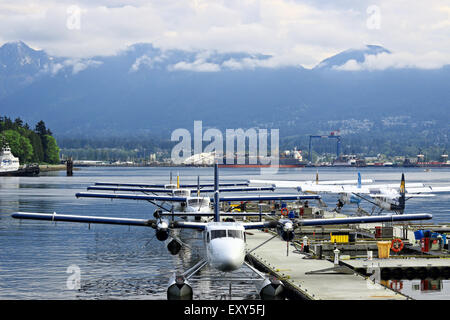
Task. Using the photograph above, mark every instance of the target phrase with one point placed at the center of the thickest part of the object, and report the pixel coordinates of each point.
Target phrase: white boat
(8, 163)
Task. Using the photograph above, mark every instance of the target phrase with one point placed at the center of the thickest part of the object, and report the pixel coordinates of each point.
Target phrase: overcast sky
(294, 32)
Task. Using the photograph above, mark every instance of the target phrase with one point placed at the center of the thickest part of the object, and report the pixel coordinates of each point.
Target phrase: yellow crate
(339, 238)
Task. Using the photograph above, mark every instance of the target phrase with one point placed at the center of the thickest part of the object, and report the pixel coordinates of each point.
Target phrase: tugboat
(10, 166)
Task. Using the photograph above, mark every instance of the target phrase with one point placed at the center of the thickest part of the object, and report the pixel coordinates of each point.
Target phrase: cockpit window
(218, 234)
(197, 202)
(227, 233)
(181, 192)
(235, 234)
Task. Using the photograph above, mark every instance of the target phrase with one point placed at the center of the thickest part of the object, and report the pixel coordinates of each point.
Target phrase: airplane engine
(286, 230)
(271, 289)
(179, 289)
(162, 230)
(174, 247)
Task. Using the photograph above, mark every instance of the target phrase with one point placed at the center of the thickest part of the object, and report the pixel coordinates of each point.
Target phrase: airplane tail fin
(216, 193)
(178, 181)
(402, 198)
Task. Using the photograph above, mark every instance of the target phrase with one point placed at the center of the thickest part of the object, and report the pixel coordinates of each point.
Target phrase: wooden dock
(293, 270)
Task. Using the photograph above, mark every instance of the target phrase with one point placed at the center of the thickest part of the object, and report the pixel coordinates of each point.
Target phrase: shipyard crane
(332, 135)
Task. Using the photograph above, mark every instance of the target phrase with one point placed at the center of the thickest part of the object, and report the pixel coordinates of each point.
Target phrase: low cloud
(146, 61)
(401, 60)
(199, 65)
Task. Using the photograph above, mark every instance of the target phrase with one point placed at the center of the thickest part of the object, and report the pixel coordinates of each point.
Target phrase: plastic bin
(384, 248)
(418, 234)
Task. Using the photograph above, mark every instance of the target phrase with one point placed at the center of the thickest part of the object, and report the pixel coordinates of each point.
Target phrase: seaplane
(224, 241)
(389, 197)
(179, 197)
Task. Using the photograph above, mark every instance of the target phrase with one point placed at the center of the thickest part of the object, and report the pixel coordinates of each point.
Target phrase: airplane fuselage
(224, 245)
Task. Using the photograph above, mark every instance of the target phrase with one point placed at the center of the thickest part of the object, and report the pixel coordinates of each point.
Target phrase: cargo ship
(287, 159)
(348, 161)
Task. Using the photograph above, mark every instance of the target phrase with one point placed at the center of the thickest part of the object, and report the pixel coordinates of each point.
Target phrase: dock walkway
(431, 267)
(293, 269)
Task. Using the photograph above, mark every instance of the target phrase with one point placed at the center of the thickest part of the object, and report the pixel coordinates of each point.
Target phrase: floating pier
(411, 268)
(312, 279)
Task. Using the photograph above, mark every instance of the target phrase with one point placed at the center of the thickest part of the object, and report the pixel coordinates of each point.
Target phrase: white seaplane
(390, 197)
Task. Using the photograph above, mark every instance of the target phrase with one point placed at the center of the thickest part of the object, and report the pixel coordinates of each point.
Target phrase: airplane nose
(231, 262)
(230, 259)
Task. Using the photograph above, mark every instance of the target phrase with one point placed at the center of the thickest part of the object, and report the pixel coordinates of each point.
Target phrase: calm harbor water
(117, 262)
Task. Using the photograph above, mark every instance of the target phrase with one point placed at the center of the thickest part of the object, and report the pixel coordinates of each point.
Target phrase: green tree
(40, 128)
(20, 145)
(38, 149)
(51, 150)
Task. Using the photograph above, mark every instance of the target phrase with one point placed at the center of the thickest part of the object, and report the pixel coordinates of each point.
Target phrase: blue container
(283, 205)
(418, 234)
(434, 235)
(291, 215)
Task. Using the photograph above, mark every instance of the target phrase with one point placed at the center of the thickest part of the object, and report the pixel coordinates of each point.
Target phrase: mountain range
(144, 90)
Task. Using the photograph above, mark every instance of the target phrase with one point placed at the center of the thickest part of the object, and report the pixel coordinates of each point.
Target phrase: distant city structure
(201, 159)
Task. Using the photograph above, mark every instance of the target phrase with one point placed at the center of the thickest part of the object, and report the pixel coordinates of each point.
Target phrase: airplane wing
(396, 196)
(411, 192)
(106, 188)
(338, 221)
(104, 220)
(163, 190)
(85, 219)
(238, 184)
(260, 225)
(129, 196)
(427, 189)
(269, 197)
(182, 199)
(368, 219)
(301, 184)
(211, 214)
